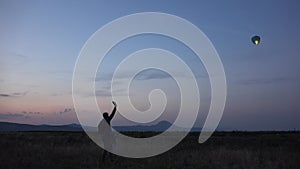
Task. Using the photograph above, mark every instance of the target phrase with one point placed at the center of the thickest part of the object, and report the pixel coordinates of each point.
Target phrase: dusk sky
(41, 40)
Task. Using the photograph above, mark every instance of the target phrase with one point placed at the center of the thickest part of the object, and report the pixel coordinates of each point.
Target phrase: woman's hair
(105, 114)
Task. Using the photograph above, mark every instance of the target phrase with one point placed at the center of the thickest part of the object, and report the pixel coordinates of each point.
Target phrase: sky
(41, 40)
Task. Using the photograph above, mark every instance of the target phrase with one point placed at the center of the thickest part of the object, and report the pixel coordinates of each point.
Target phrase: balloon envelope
(255, 40)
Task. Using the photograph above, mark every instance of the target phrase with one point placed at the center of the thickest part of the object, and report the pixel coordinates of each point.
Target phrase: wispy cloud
(13, 94)
(103, 93)
(104, 80)
(265, 81)
(11, 115)
(4, 95)
(66, 110)
(28, 113)
(104, 89)
(148, 74)
(20, 93)
(38, 115)
(107, 93)
(152, 74)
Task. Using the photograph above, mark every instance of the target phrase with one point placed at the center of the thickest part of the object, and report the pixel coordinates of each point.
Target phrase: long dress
(106, 135)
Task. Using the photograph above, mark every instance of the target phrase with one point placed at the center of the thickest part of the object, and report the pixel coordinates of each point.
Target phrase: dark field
(72, 150)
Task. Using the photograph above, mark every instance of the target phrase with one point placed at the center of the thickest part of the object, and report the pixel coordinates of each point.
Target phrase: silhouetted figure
(106, 133)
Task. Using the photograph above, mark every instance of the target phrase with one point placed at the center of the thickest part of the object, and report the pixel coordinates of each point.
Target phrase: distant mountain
(159, 127)
(6, 126)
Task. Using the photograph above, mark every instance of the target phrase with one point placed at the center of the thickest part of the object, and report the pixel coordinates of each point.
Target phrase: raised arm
(114, 110)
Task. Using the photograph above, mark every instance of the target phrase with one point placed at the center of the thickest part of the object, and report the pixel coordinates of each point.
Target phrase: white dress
(106, 135)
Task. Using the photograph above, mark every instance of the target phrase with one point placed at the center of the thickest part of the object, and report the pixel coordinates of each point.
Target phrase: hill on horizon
(159, 127)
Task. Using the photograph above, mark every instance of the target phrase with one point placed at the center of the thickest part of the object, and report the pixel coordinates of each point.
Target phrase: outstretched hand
(114, 103)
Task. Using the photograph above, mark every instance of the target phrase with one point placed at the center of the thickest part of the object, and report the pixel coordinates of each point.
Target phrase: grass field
(228, 150)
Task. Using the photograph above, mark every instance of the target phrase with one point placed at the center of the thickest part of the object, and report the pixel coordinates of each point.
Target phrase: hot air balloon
(255, 40)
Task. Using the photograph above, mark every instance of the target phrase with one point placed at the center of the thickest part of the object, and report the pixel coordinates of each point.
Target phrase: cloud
(152, 74)
(61, 93)
(103, 93)
(104, 80)
(265, 81)
(20, 93)
(104, 89)
(24, 112)
(34, 114)
(66, 110)
(147, 74)
(14, 94)
(107, 93)
(10, 115)
(4, 95)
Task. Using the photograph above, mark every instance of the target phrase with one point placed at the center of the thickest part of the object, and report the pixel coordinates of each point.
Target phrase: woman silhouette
(106, 134)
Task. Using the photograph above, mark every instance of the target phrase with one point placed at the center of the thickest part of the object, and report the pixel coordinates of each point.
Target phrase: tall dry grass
(74, 150)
